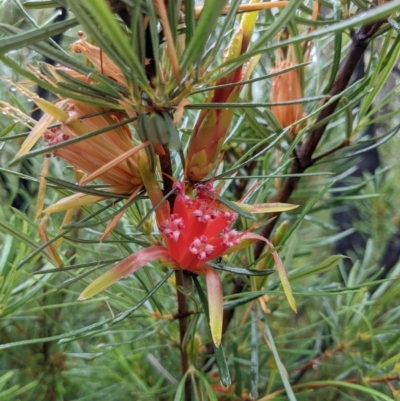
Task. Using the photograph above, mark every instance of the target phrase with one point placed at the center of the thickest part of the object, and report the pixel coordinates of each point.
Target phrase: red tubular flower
(198, 231)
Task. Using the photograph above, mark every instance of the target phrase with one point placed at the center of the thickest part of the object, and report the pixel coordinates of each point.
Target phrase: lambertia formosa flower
(197, 231)
(110, 156)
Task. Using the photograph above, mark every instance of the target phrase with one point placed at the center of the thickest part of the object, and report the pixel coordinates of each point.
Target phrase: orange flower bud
(286, 87)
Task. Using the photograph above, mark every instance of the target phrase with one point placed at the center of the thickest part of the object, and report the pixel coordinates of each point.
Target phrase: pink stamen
(200, 247)
(202, 189)
(230, 238)
(214, 213)
(189, 201)
(47, 136)
(179, 187)
(231, 217)
(172, 229)
(201, 216)
(54, 136)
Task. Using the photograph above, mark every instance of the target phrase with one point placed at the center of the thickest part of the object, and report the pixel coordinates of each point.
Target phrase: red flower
(198, 231)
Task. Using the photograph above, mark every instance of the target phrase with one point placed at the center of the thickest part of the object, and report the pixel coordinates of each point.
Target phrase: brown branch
(183, 326)
(178, 315)
(374, 379)
(329, 152)
(309, 364)
(316, 385)
(303, 158)
(166, 168)
(183, 312)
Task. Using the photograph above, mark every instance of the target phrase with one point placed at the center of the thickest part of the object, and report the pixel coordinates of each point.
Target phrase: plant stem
(166, 168)
(183, 312)
(329, 152)
(303, 158)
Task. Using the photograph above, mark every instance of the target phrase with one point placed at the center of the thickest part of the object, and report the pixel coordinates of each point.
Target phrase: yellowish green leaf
(75, 200)
(123, 269)
(266, 207)
(279, 268)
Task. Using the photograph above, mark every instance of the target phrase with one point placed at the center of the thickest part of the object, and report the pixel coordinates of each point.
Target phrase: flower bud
(285, 88)
(213, 124)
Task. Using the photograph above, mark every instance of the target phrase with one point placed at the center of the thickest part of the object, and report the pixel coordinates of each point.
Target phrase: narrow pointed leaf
(233, 206)
(95, 327)
(35, 35)
(209, 15)
(207, 387)
(123, 269)
(215, 304)
(218, 351)
(66, 220)
(114, 162)
(266, 207)
(75, 200)
(6, 130)
(42, 188)
(114, 191)
(114, 221)
(279, 268)
(329, 263)
(51, 250)
(241, 270)
(35, 134)
(254, 361)
(8, 228)
(279, 364)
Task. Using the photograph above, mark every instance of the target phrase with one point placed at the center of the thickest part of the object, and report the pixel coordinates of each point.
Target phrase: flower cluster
(94, 153)
(198, 230)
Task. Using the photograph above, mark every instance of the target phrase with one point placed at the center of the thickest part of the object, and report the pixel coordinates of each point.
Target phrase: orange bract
(286, 87)
(113, 148)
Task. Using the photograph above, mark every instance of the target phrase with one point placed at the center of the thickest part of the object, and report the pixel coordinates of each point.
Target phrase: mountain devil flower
(197, 231)
(111, 156)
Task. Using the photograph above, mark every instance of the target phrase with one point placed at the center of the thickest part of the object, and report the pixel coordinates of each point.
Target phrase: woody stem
(304, 155)
(166, 168)
(183, 325)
